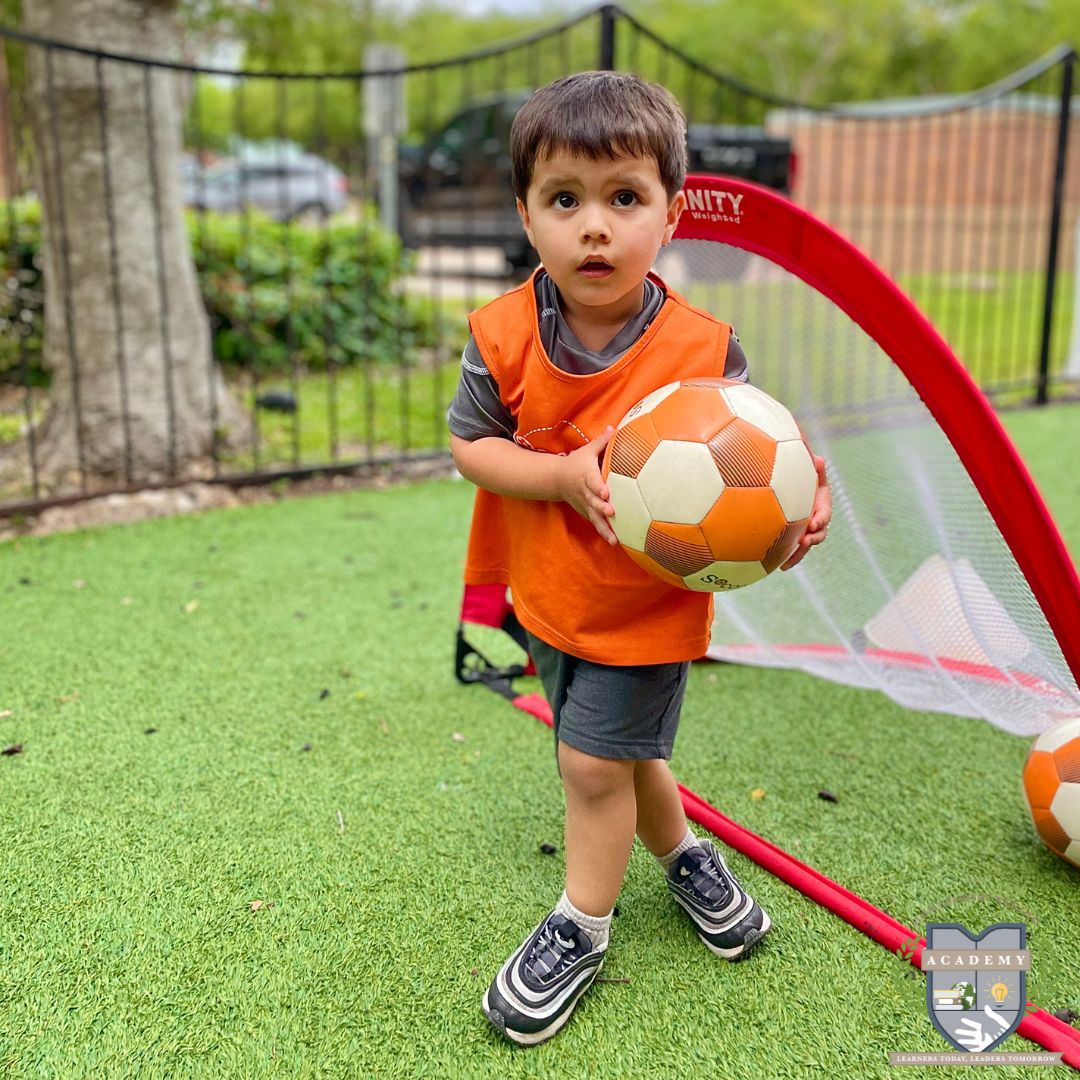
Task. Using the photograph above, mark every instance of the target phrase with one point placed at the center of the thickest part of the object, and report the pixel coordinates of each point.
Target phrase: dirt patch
(196, 496)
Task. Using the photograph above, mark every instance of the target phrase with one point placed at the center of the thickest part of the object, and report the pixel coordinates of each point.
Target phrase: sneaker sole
(531, 1038)
(751, 939)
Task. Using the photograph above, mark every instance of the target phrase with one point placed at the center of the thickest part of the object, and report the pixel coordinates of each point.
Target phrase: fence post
(1041, 393)
(609, 14)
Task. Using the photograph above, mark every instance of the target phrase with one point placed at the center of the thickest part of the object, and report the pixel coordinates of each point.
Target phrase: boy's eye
(625, 198)
(565, 201)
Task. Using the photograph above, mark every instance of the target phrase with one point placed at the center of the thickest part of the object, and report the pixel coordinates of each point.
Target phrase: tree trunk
(135, 394)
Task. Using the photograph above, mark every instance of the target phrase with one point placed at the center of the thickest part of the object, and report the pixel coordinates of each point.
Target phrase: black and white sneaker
(725, 916)
(537, 988)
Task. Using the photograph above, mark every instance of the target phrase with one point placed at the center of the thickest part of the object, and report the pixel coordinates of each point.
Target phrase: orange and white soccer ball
(712, 484)
(1052, 786)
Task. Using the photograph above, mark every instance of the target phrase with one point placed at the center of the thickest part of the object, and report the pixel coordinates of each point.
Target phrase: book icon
(956, 999)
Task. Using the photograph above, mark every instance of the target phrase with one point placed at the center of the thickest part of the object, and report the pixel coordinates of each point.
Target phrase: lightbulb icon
(999, 992)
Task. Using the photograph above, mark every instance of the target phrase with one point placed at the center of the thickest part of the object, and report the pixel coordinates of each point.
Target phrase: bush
(273, 293)
(22, 293)
(320, 295)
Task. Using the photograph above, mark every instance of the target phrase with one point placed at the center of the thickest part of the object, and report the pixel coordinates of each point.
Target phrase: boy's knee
(591, 777)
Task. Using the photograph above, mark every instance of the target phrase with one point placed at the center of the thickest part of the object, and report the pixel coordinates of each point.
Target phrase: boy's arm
(501, 466)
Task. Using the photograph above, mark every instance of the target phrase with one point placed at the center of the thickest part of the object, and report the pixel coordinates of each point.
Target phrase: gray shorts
(611, 711)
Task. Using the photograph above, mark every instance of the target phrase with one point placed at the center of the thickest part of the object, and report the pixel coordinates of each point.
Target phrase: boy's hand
(581, 485)
(817, 528)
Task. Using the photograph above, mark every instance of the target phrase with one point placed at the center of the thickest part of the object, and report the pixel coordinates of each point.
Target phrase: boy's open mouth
(595, 267)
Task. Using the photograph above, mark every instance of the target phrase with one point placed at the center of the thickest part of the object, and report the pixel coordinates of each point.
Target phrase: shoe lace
(710, 881)
(551, 954)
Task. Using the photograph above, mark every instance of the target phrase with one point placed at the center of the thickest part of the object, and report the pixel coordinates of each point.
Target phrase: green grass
(992, 322)
(359, 411)
(128, 946)
(372, 412)
(1048, 441)
(353, 415)
(10, 426)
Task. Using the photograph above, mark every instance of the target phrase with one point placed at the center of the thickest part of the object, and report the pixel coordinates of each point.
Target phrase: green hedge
(272, 292)
(21, 322)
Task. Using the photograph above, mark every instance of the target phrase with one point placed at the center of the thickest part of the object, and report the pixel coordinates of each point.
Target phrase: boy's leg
(661, 820)
(600, 819)
(536, 990)
(726, 917)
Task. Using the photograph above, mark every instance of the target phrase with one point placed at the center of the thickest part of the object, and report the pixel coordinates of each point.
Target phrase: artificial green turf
(128, 946)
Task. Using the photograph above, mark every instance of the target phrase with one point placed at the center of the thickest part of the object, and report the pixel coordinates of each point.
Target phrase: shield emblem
(976, 986)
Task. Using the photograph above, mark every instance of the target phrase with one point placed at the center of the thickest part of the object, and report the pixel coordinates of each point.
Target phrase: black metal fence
(306, 311)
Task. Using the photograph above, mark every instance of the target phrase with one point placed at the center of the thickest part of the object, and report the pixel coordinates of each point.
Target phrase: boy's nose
(594, 226)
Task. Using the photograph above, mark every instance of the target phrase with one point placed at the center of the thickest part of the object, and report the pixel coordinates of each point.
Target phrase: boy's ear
(674, 212)
(523, 213)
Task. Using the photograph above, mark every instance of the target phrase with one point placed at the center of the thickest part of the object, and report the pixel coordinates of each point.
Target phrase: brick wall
(964, 192)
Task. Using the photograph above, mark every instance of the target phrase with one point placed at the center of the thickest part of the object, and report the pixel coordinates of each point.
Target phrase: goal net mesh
(916, 592)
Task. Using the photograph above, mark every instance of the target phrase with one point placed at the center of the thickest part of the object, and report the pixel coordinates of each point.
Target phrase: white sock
(687, 842)
(596, 926)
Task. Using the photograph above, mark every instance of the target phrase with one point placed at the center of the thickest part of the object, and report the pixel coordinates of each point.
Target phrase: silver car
(298, 187)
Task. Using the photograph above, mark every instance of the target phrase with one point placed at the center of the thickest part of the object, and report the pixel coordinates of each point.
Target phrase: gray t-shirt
(477, 411)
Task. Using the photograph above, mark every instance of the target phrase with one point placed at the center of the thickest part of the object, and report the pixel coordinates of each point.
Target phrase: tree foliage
(331, 35)
(857, 50)
(821, 52)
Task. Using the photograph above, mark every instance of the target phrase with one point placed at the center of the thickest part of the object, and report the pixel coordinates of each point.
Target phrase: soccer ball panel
(721, 576)
(654, 568)
(784, 547)
(1040, 778)
(631, 446)
(1050, 831)
(678, 548)
(702, 498)
(762, 411)
(794, 479)
(1062, 732)
(1072, 853)
(1067, 758)
(743, 524)
(744, 454)
(695, 413)
(649, 402)
(1066, 808)
(632, 520)
(679, 482)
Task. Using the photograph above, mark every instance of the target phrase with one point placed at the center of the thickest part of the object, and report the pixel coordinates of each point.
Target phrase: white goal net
(916, 592)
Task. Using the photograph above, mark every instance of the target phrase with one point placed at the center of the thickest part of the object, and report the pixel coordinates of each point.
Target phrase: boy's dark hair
(600, 114)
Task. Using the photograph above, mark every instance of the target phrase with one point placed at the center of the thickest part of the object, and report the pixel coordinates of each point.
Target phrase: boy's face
(597, 226)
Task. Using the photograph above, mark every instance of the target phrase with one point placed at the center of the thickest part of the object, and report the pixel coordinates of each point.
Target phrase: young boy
(598, 165)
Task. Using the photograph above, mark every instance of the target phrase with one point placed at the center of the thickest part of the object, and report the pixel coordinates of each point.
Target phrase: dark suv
(456, 187)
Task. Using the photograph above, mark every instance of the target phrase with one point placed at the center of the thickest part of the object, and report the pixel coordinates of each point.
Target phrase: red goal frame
(758, 219)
